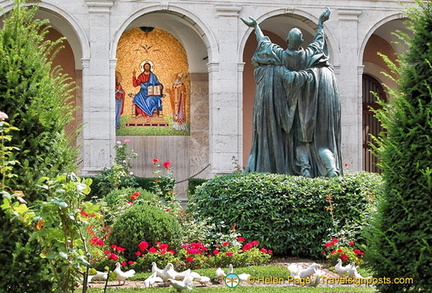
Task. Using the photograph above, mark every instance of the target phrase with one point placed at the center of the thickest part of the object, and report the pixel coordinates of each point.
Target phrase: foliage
(400, 237)
(345, 250)
(291, 214)
(193, 183)
(143, 222)
(36, 97)
(118, 175)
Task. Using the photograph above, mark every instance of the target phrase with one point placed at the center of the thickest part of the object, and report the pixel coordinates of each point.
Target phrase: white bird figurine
(342, 270)
(179, 285)
(318, 275)
(181, 275)
(230, 269)
(203, 280)
(168, 272)
(156, 270)
(98, 275)
(182, 285)
(220, 274)
(122, 276)
(298, 271)
(151, 280)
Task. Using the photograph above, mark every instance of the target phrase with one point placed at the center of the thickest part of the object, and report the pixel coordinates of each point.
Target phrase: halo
(144, 62)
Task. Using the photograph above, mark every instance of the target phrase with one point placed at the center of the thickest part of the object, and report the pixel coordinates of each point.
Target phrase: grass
(268, 271)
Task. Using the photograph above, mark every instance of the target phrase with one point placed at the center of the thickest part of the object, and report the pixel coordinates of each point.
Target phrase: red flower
(241, 239)
(216, 251)
(190, 259)
(113, 256)
(138, 253)
(155, 160)
(120, 248)
(171, 251)
(225, 243)
(339, 250)
(247, 246)
(133, 197)
(328, 244)
(358, 251)
(163, 246)
(269, 251)
(152, 250)
(255, 243)
(351, 243)
(335, 240)
(143, 245)
(84, 214)
(323, 252)
(123, 263)
(130, 262)
(263, 250)
(344, 257)
(228, 254)
(136, 194)
(167, 164)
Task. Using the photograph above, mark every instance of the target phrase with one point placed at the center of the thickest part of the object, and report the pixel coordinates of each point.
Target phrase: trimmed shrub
(291, 215)
(401, 234)
(144, 223)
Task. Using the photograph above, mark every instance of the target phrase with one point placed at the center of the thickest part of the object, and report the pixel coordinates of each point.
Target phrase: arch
(169, 20)
(69, 27)
(384, 24)
(304, 20)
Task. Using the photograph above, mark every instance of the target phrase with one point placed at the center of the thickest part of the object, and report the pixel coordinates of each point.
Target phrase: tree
(401, 233)
(35, 97)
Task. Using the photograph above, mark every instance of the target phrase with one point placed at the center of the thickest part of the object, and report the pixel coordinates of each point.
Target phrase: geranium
(241, 239)
(358, 251)
(229, 254)
(143, 245)
(152, 250)
(167, 164)
(345, 250)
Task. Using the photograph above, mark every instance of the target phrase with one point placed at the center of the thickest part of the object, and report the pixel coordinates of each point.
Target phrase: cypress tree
(401, 233)
(35, 97)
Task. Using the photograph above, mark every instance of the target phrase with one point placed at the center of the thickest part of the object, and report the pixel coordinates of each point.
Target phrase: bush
(143, 222)
(289, 214)
(401, 238)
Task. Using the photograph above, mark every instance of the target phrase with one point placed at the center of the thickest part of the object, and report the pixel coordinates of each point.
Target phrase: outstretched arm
(319, 36)
(253, 23)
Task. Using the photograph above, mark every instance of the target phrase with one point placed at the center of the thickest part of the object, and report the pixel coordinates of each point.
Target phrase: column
(350, 90)
(225, 103)
(98, 97)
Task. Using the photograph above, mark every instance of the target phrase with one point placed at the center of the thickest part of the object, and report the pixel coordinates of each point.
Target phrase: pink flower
(241, 239)
(190, 259)
(335, 240)
(143, 245)
(263, 250)
(167, 164)
(269, 251)
(152, 250)
(127, 140)
(163, 246)
(229, 254)
(351, 243)
(216, 251)
(138, 253)
(3, 116)
(255, 243)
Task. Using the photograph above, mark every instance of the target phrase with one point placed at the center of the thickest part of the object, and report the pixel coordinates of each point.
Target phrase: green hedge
(290, 214)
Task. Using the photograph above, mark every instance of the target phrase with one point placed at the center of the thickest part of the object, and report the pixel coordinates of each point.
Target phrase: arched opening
(372, 91)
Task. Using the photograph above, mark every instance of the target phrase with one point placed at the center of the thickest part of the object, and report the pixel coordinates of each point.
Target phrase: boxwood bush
(291, 215)
(144, 223)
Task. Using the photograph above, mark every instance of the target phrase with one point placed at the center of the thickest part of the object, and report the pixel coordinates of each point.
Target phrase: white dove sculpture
(220, 274)
(151, 280)
(122, 276)
(342, 270)
(318, 275)
(98, 275)
(182, 285)
(203, 280)
(168, 272)
(156, 270)
(297, 271)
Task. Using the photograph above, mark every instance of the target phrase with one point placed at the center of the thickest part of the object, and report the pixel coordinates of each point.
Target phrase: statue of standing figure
(297, 113)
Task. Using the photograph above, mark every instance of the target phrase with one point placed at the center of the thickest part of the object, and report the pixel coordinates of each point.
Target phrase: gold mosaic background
(165, 53)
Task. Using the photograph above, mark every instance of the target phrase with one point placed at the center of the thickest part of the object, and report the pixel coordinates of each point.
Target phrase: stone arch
(179, 22)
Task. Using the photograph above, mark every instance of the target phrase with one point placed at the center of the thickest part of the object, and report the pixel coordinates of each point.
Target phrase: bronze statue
(296, 122)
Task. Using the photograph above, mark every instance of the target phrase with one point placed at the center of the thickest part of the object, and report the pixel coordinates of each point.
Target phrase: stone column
(98, 99)
(225, 103)
(350, 90)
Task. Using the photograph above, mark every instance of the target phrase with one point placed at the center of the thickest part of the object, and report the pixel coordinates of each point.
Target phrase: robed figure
(296, 122)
